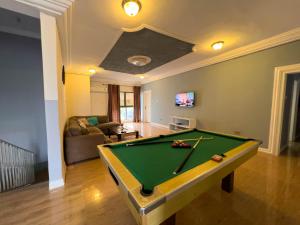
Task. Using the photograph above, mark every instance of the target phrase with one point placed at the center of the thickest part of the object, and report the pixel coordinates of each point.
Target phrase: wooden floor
(267, 192)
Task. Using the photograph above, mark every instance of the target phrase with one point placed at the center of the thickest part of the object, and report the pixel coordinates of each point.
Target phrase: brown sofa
(81, 143)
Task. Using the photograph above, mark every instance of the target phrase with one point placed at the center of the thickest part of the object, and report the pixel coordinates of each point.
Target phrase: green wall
(235, 95)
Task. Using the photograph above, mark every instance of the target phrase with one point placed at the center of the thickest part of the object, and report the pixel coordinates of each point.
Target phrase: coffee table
(121, 132)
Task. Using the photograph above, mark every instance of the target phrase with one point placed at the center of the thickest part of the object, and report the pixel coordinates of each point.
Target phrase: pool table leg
(227, 182)
(119, 137)
(170, 221)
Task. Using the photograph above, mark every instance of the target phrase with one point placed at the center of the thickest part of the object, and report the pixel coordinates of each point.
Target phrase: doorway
(290, 111)
(278, 104)
(147, 106)
(294, 125)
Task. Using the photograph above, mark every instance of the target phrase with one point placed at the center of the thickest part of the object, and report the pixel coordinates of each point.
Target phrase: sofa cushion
(74, 128)
(83, 122)
(102, 119)
(93, 120)
(94, 130)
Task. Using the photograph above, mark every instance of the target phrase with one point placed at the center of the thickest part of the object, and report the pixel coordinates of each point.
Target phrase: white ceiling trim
(66, 40)
(57, 7)
(280, 39)
(158, 30)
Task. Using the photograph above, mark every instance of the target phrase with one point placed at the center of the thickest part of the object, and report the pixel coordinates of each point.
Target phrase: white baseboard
(264, 150)
(160, 125)
(56, 184)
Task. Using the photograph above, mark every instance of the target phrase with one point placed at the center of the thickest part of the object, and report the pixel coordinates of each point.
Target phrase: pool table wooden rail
(172, 195)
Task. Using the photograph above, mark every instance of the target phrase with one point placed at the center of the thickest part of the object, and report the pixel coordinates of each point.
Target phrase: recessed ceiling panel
(159, 48)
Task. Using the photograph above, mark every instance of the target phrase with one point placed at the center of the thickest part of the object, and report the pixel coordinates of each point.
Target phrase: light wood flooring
(267, 192)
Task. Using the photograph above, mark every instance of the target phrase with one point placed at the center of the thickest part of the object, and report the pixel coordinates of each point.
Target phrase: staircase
(16, 166)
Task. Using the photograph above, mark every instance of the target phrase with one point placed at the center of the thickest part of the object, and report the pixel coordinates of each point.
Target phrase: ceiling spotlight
(139, 60)
(92, 71)
(217, 45)
(131, 7)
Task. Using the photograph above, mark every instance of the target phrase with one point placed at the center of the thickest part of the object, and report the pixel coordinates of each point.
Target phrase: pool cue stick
(168, 141)
(147, 143)
(182, 164)
(195, 139)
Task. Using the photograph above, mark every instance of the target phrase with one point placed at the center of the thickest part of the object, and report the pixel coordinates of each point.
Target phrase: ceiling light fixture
(92, 71)
(131, 7)
(217, 45)
(139, 60)
(142, 76)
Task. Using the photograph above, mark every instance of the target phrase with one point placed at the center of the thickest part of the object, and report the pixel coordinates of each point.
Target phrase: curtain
(137, 103)
(114, 103)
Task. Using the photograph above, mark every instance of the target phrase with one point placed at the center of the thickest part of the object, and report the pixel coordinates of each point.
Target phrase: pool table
(145, 174)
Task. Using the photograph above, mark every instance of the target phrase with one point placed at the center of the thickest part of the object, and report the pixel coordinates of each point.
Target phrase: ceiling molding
(283, 38)
(158, 30)
(20, 8)
(65, 31)
(57, 7)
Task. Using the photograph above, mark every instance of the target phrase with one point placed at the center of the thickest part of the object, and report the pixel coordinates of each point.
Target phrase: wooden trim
(264, 150)
(280, 77)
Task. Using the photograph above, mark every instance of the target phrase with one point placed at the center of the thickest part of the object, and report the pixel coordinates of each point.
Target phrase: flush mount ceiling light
(217, 45)
(131, 7)
(139, 60)
(92, 71)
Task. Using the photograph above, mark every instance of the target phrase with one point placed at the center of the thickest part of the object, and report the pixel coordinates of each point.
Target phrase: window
(127, 106)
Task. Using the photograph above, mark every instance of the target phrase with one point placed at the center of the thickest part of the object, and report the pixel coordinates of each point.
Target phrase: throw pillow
(83, 122)
(93, 121)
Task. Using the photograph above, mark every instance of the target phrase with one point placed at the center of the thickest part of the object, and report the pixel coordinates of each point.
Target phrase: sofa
(80, 141)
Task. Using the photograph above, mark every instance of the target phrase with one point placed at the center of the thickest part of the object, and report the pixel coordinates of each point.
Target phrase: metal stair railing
(16, 166)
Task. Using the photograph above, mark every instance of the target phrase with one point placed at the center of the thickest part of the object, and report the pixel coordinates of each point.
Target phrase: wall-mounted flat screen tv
(185, 99)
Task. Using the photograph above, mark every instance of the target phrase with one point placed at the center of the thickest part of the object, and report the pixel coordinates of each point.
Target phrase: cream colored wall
(99, 97)
(78, 95)
(126, 88)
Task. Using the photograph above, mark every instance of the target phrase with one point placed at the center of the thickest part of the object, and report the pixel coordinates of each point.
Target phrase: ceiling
(97, 25)
(132, 47)
(19, 24)
(20, 8)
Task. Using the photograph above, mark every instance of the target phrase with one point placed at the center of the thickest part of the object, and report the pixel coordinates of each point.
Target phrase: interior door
(147, 106)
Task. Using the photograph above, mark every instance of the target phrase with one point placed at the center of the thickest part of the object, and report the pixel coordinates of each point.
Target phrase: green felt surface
(154, 164)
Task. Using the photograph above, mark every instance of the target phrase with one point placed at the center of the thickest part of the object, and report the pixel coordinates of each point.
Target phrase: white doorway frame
(294, 111)
(149, 108)
(278, 99)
